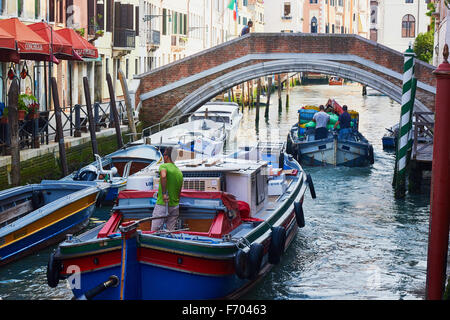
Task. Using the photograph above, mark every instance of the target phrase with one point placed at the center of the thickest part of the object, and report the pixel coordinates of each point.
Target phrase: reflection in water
(358, 242)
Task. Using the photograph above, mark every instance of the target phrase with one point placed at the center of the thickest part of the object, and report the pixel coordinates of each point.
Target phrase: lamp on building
(149, 17)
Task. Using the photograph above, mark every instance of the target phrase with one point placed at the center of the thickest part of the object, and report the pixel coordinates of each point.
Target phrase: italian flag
(233, 6)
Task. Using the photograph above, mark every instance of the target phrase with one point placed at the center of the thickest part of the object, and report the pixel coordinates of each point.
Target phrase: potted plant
(24, 101)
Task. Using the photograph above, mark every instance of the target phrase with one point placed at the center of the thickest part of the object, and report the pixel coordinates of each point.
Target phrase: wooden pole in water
(280, 103)
(90, 116)
(59, 128)
(126, 93)
(440, 186)
(13, 99)
(248, 94)
(258, 93)
(113, 109)
(405, 124)
(287, 90)
(269, 92)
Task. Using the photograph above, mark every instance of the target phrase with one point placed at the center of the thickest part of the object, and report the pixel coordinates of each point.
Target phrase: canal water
(358, 242)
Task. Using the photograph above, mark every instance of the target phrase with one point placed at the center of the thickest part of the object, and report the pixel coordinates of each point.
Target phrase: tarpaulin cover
(81, 46)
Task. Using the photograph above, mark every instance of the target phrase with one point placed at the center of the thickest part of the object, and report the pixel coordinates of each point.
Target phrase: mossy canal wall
(47, 165)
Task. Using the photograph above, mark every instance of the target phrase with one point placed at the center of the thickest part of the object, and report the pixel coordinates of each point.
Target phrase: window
(314, 25)
(409, 1)
(312, 1)
(164, 17)
(408, 26)
(287, 9)
(19, 7)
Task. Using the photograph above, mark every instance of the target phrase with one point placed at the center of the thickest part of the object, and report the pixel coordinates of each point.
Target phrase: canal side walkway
(43, 163)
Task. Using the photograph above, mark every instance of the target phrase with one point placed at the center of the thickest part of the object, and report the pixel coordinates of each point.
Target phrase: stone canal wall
(46, 165)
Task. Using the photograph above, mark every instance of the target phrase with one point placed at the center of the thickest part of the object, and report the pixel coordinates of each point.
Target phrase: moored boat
(335, 81)
(236, 220)
(220, 112)
(348, 148)
(115, 168)
(388, 140)
(37, 215)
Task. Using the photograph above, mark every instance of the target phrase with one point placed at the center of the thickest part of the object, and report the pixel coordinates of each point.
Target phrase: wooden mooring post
(269, 92)
(13, 99)
(59, 128)
(440, 186)
(113, 109)
(288, 91)
(126, 93)
(258, 93)
(90, 117)
(280, 103)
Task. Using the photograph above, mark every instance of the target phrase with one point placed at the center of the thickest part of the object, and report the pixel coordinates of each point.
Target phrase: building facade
(441, 31)
(134, 36)
(318, 16)
(396, 23)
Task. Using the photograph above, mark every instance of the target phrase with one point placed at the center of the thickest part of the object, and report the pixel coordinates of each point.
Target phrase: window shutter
(109, 15)
(137, 21)
(101, 16)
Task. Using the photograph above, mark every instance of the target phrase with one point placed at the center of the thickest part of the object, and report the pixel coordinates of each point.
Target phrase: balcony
(289, 17)
(124, 39)
(153, 39)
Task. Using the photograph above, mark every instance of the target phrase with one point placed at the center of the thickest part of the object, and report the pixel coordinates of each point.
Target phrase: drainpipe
(440, 186)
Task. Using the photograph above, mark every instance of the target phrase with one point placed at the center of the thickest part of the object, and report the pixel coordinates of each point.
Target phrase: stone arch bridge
(184, 85)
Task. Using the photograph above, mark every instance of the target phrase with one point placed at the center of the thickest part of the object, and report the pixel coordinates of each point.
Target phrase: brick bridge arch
(186, 84)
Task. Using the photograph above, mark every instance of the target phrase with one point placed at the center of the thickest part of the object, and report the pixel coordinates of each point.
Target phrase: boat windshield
(213, 118)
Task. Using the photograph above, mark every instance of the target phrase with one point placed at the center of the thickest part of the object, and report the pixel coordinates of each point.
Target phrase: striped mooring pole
(405, 125)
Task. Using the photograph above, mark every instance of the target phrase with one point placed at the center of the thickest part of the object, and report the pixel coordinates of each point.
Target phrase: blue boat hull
(47, 236)
(388, 142)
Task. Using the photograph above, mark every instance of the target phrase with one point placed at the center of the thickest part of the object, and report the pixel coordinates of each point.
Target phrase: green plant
(25, 100)
(80, 31)
(5, 112)
(423, 46)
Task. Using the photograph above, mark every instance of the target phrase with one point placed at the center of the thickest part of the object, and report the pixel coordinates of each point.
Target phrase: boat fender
(54, 267)
(289, 145)
(371, 157)
(241, 264)
(299, 216)
(277, 244)
(281, 161)
(255, 256)
(311, 186)
(37, 199)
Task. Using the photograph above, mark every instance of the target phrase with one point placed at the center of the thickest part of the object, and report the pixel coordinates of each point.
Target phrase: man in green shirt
(170, 184)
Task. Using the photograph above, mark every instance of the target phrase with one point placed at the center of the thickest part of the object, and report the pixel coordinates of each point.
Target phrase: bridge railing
(423, 133)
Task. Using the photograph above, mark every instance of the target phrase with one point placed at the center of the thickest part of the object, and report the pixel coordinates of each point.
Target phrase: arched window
(314, 25)
(408, 26)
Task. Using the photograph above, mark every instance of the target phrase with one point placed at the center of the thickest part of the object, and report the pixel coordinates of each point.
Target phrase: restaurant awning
(80, 45)
(61, 48)
(8, 52)
(30, 45)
